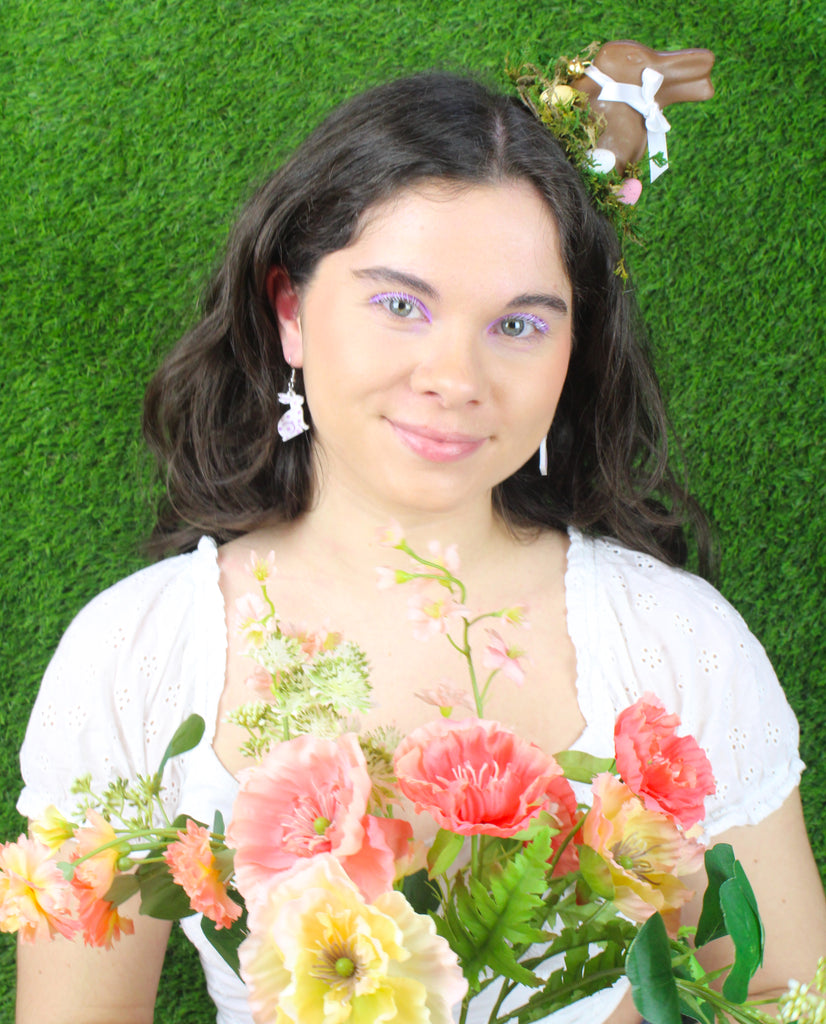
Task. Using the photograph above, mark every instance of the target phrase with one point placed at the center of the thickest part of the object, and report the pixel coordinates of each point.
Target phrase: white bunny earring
(292, 423)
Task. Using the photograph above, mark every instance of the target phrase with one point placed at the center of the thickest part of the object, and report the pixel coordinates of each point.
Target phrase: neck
(344, 533)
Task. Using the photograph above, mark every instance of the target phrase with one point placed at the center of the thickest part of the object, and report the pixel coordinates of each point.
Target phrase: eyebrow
(410, 281)
(555, 303)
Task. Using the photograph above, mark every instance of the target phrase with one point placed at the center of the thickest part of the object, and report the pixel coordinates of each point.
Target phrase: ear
(286, 305)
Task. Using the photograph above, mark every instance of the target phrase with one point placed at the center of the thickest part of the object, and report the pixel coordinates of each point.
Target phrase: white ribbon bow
(641, 99)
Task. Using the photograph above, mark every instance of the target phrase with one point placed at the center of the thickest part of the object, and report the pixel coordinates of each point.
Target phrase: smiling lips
(436, 446)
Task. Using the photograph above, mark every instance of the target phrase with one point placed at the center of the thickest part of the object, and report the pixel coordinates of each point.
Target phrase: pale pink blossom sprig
(438, 606)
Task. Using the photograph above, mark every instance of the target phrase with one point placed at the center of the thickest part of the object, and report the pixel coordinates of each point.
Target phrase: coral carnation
(194, 868)
(35, 899)
(473, 776)
(669, 773)
(318, 954)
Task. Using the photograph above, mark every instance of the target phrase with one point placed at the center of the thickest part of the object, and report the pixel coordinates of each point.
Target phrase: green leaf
(443, 852)
(649, 970)
(187, 736)
(746, 930)
(160, 896)
(579, 767)
(422, 894)
(227, 940)
(488, 923)
(122, 887)
(218, 824)
(596, 872)
(585, 972)
(719, 862)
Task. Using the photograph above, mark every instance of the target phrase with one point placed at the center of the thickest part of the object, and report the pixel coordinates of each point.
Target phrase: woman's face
(435, 346)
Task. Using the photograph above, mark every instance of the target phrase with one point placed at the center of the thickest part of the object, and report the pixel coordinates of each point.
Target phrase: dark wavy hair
(211, 409)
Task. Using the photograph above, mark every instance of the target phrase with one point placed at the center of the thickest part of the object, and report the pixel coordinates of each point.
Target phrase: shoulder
(149, 595)
(132, 664)
(661, 602)
(650, 627)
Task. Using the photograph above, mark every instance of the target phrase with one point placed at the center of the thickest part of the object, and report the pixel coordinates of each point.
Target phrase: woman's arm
(778, 860)
(65, 982)
(779, 863)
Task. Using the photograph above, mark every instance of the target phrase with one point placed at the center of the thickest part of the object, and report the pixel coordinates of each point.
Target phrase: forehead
(503, 230)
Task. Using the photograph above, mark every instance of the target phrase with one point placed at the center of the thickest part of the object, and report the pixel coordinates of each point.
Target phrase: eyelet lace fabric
(152, 649)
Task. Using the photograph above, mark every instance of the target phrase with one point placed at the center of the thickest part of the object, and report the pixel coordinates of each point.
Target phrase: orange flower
(195, 869)
(99, 920)
(669, 773)
(35, 898)
(98, 872)
(643, 852)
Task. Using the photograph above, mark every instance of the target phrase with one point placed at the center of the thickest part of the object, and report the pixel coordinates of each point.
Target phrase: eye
(519, 325)
(401, 305)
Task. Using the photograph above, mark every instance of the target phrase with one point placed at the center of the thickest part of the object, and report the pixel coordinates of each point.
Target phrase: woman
(426, 272)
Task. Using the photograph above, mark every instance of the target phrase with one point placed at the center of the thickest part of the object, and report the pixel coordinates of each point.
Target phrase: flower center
(338, 966)
(303, 833)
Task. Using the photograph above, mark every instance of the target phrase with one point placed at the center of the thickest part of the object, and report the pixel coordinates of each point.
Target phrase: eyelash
(384, 298)
(536, 322)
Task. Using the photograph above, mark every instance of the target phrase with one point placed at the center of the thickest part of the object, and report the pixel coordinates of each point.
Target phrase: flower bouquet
(548, 879)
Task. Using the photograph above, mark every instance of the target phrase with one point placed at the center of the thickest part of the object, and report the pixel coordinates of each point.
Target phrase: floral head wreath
(605, 107)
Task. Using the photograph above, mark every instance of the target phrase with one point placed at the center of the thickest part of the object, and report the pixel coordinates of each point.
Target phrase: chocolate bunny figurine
(628, 84)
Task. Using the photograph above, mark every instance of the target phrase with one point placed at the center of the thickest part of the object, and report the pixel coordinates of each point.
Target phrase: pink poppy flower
(309, 796)
(644, 853)
(669, 773)
(474, 777)
(36, 901)
(497, 655)
(563, 809)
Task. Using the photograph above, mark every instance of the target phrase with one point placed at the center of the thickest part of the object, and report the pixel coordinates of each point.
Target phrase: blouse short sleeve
(132, 665)
(647, 627)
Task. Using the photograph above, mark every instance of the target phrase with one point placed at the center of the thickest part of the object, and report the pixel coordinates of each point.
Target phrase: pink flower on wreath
(36, 901)
(474, 776)
(498, 656)
(195, 869)
(669, 773)
(306, 797)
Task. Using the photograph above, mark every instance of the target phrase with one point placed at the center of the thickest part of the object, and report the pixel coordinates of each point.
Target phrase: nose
(452, 370)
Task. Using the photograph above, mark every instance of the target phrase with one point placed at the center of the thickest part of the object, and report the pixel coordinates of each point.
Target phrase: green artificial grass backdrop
(133, 130)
